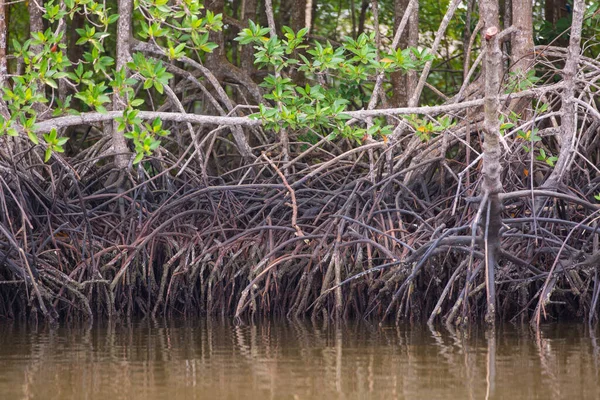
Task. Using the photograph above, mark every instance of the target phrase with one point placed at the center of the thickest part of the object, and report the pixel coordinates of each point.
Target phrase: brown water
(211, 360)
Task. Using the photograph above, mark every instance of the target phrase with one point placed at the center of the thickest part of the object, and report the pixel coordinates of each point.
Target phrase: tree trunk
(507, 18)
(492, 184)
(362, 17)
(298, 14)
(404, 83)
(452, 7)
(119, 145)
(507, 21)
(284, 16)
(74, 52)
(247, 52)
(549, 11)
(36, 24)
(218, 67)
(3, 68)
(522, 40)
(521, 46)
(568, 128)
(555, 10)
(213, 60)
(6, 143)
(62, 30)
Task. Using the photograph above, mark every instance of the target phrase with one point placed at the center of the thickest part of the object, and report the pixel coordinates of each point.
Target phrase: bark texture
(492, 184)
(6, 143)
(119, 145)
(3, 69)
(521, 47)
(568, 127)
(522, 40)
(404, 83)
(36, 24)
(248, 13)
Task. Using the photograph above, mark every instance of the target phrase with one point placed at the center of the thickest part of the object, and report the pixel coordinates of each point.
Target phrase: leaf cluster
(339, 78)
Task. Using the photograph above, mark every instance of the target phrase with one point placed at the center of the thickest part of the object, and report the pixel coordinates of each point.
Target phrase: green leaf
(51, 83)
(154, 145)
(32, 136)
(551, 160)
(138, 158)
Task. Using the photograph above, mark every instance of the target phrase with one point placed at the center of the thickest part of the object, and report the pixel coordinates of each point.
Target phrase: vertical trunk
(74, 52)
(404, 84)
(353, 16)
(507, 18)
(555, 10)
(549, 11)
(375, 12)
(521, 48)
(400, 92)
(298, 14)
(452, 7)
(285, 147)
(308, 14)
(362, 17)
(119, 145)
(492, 184)
(36, 24)
(3, 70)
(262, 17)
(286, 8)
(522, 41)
(216, 68)
(567, 138)
(467, 38)
(295, 13)
(213, 60)
(62, 30)
(568, 128)
(247, 52)
(507, 21)
(123, 33)
(234, 31)
(301, 18)
(413, 41)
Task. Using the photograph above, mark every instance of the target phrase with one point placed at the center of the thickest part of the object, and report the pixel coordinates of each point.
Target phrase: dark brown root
(387, 230)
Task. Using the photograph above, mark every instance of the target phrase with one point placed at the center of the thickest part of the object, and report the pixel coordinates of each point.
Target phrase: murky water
(211, 360)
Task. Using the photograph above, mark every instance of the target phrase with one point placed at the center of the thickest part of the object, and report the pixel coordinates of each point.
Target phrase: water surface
(216, 360)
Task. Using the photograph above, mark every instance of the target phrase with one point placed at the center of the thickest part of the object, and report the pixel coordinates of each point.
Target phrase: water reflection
(217, 360)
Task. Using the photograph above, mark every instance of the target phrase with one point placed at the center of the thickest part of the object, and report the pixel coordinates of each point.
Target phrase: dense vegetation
(384, 159)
